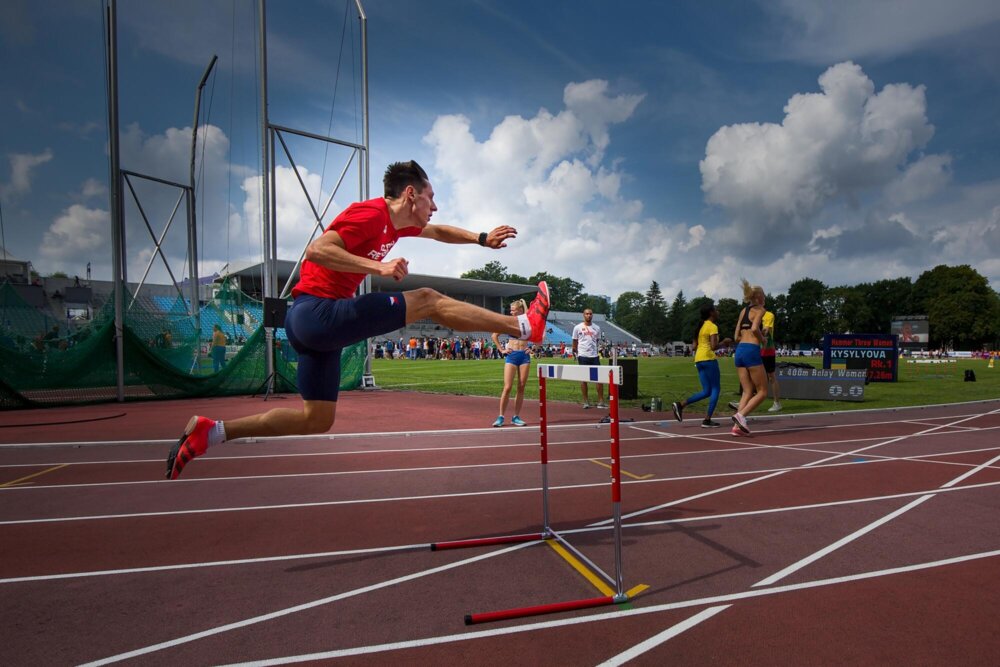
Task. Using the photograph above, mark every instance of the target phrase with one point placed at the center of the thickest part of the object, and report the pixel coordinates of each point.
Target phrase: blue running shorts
(518, 358)
(747, 355)
(319, 328)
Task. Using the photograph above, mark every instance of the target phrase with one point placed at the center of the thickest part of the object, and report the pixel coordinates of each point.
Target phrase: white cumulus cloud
(21, 166)
(838, 144)
(548, 176)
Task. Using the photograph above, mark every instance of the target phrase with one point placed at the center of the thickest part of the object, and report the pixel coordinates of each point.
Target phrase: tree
(777, 304)
(962, 310)
(627, 311)
(674, 329)
(653, 316)
(494, 271)
(598, 304)
(891, 298)
(729, 312)
(566, 292)
(806, 313)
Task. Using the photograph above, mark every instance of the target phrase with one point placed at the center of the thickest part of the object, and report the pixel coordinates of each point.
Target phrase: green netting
(166, 353)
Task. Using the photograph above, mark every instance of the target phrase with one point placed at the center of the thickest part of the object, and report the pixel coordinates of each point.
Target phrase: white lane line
(767, 472)
(614, 615)
(690, 498)
(302, 607)
(666, 635)
(804, 562)
(217, 563)
(795, 567)
(569, 531)
(579, 425)
(847, 539)
(904, 437)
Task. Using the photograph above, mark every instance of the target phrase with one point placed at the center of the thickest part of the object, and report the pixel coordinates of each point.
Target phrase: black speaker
(274, 312)
(630, 379)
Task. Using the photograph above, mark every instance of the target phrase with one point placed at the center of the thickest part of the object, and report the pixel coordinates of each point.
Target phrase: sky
(690, 143)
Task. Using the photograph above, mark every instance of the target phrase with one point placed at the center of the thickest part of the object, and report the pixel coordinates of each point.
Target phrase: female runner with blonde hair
(749, 366)
(516, 360)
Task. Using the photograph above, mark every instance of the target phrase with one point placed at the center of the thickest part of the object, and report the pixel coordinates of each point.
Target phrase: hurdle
(612, 376)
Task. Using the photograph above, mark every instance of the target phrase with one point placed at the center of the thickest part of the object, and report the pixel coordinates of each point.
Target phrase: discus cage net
(48, 360)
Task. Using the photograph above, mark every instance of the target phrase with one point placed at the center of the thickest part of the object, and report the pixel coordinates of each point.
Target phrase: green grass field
(672, 379)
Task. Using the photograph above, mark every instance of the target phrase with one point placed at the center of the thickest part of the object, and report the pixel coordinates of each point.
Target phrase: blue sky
(692, 143)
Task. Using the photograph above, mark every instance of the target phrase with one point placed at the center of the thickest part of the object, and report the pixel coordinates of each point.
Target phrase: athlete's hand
(397, 269)
(497, 238)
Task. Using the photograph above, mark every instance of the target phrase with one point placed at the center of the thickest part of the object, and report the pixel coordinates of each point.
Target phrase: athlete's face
(423, 203)
(588, 315)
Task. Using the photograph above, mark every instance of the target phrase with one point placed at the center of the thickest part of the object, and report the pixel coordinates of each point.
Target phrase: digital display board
(913, 331)
(875, 353)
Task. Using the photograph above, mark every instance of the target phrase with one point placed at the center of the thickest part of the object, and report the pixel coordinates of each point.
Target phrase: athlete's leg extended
(428, 303)
(311, 326)
(314, 417)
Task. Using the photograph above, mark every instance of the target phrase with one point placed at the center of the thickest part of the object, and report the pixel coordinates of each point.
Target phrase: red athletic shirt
(367, 231)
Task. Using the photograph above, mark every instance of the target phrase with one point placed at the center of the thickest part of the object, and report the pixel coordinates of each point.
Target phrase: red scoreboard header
(875, 353)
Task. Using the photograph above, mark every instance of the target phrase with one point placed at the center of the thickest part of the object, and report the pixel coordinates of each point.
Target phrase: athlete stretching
(325, 316)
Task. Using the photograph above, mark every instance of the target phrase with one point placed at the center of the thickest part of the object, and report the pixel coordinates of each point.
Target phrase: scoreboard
(875, 353)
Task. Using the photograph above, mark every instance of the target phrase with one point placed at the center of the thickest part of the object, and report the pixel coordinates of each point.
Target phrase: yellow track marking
(596, 581)
(624, 472)
(580, 567)
(27, 477)
(632, 592)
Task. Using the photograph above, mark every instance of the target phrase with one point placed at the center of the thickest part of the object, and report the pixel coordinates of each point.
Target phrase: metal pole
(117, 226)
(192, 215)
(544, 440)
(616, 487)
(266, 174)
(367, 380)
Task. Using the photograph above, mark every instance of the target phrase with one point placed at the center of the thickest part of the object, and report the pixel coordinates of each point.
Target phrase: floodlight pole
(192, 213)
(117, 226)
(266, 174)
(367, 378)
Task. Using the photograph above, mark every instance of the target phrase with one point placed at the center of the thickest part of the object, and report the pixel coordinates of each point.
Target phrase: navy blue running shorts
(319, 328)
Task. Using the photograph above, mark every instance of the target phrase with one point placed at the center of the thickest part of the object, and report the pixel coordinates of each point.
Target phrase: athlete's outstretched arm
(448, 234)
(328, 251)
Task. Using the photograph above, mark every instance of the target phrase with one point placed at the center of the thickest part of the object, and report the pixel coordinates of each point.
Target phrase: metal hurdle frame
(569, 372)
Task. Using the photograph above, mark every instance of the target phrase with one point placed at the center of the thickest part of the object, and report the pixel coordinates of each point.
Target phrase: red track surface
(861, 538)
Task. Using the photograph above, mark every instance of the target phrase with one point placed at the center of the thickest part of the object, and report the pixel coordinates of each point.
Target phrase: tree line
(962, 309)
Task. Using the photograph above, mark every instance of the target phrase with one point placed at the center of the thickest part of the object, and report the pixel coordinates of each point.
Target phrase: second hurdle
(612, 376)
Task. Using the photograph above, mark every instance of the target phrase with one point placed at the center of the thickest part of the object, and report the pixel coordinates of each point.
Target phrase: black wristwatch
(482, 238)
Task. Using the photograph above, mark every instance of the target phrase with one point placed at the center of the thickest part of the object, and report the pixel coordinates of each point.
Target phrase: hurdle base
(487, 541)
(538, 610)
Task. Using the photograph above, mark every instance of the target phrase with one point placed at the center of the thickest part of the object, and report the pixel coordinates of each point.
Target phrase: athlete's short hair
(398, 175)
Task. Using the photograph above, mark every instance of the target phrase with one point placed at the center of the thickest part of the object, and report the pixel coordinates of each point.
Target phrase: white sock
(217, 435)
(522, 321)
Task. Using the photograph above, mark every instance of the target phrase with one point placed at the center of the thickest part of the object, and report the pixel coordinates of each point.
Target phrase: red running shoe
(194, 442)
(538, 312)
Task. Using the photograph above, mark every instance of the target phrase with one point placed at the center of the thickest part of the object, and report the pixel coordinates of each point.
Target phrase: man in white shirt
(586, 336)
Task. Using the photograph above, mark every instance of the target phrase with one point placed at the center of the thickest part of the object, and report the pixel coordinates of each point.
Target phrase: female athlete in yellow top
(706, 342)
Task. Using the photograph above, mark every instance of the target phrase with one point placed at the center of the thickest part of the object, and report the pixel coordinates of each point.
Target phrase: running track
(862, 538)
